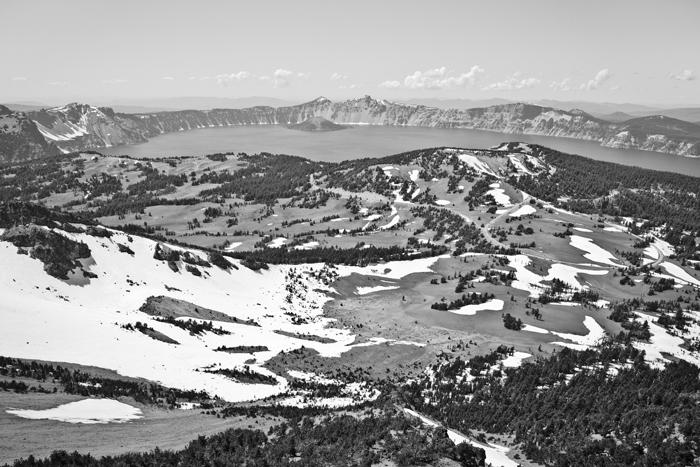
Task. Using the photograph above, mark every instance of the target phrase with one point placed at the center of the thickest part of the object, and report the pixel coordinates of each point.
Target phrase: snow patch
(595, 333)
(470, 310)
(523, 211)
(88, 411)
(593, 251)
(378, 288)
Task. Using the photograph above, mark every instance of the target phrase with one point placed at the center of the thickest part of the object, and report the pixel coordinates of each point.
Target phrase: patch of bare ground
(167, 307)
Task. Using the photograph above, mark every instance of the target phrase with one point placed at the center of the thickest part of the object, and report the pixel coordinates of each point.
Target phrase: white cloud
(205, 78)
(595, 83)
(56, 83)
(686, 75)
(565, 85)
(513, 83)
(439, 78)
(191, 78)
(280, 78)
(115, 81)
(224, 80)
(168, 78)
(390, 85)
(355, 86)
(614, 88)
(19, 78)
(338, 76)
(303, 76)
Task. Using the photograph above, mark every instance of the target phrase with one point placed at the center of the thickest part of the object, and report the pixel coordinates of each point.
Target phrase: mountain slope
(666, 125)
(74, 127)
(20, 138)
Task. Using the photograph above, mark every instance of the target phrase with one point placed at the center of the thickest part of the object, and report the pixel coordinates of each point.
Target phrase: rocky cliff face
(77, 126)
(20, 138)
(516, 118)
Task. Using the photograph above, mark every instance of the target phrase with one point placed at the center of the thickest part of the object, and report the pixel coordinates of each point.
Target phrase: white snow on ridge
(414, 174)
(62, 132)
(596, 332)
(531, 328)
(499, 195)
(523, 211)
(392, 222)
(593, 251)
(475, 163)
(680, 274)
(443, 202)
(519, 165)
(663, 342)
(393, 269)
(495, 455)
(470, 310)
(515, 360)
(307, 246)
(378, 288)
(277, 242)
(88, 411)
(529, 281)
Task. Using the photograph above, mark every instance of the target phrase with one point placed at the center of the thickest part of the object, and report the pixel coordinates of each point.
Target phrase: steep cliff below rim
(77, 126)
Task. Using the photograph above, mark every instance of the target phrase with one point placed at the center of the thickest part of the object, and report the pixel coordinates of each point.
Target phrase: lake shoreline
(373, 141)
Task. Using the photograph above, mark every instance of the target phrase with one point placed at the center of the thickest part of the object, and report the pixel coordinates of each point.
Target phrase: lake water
(377, 141)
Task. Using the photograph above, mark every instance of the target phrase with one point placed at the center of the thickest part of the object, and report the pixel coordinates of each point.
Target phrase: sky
(641, 51)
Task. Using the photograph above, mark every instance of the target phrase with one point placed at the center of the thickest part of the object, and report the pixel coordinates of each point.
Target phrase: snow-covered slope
(79, 320)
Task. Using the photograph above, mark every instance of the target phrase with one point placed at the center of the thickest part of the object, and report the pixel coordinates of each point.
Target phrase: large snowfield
(44, 317)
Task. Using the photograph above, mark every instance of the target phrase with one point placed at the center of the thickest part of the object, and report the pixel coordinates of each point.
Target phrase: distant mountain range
(132, 106)
(76, 127)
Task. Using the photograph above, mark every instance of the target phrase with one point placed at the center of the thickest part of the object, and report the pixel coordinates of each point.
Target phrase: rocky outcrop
(317, 124)
(20, 138)
(59, 253)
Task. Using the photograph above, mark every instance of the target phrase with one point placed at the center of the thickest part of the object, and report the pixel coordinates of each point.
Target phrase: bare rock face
(59, 254)
(76, 127)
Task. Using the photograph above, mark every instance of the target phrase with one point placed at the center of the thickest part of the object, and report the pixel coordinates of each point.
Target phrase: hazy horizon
(521, 51)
